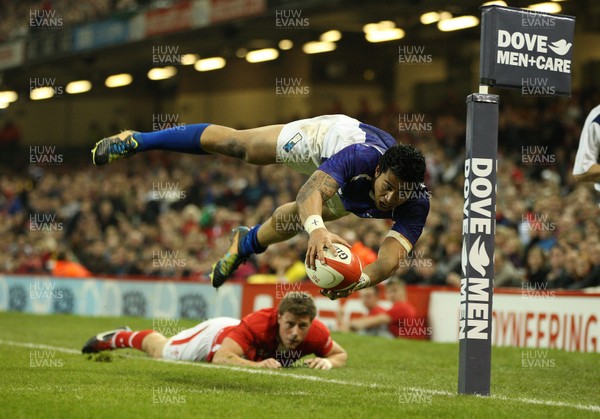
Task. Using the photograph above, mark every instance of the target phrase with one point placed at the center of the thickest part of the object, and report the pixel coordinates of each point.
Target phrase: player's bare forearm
(231, 353)
(592, 175)
(388, 260)
(226, 357)
(380, 270)
(336, 358)
(229, 358)
(318, 189)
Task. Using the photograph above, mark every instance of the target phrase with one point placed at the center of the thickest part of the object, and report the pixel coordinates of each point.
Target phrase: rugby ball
(339, 272)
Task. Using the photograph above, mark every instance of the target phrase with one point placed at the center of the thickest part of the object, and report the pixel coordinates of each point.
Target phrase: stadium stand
(113, 223)
(120, 221)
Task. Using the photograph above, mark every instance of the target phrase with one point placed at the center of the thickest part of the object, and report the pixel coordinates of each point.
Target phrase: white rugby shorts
(196, 343)
(302, 145)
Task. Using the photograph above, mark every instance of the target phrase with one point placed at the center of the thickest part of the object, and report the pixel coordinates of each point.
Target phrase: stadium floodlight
(380, 26)
(383, 31)
(79, 86)
(8, 96)
(317, 47)
(432, 17)
(162, 73)
(429, 17)
(385, 35)
(331, 36)
(209, 64)
(189, 59)
(286, 44)
(260, 55)
(118, 80)
(41, 93)
(547, 7)
(4, 105)
(458, 23)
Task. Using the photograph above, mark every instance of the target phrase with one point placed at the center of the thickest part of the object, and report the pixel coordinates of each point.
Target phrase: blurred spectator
(370, 300)
(63, 267)
(279, 263)
(10, 136)
(558, 277)
(505, 273)
(400, 320)
(536, 269)
(585, 274)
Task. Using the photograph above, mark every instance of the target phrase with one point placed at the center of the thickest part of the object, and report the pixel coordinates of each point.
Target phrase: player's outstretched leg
(282, 225)
(148, 341)
(235, 256)
(257, 145)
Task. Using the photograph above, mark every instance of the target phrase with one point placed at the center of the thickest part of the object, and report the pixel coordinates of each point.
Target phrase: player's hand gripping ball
(339, 273)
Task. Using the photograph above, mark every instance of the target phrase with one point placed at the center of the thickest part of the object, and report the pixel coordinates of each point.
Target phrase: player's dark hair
(406, 162)
(299, 304)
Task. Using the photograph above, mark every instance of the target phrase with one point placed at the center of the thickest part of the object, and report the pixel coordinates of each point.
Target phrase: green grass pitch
(383, 379)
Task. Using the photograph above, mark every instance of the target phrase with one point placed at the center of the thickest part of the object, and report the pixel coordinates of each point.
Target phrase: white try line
(418, 390)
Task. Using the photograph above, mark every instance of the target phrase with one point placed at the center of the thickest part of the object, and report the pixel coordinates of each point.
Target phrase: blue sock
(185, 139)
(250, 244)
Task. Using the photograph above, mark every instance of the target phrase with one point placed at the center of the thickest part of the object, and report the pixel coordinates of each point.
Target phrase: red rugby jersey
(257, 335)
(403, 322)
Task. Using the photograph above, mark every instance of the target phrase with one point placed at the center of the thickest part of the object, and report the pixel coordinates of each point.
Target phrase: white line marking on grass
(38, 346)
(589, 407)
(272, 372)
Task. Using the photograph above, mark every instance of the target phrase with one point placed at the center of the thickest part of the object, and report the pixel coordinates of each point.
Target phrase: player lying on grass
(268, 338)
(353, 168)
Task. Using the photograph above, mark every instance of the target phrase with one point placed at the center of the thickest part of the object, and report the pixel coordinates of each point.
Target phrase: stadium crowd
(169, 214)
(18, 17)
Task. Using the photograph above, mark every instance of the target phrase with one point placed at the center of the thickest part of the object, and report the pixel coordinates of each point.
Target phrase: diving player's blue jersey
(353, 168)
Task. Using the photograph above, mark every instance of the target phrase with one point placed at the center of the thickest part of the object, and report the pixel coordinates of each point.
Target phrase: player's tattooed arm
(319, 188)
(321, 182)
